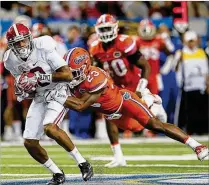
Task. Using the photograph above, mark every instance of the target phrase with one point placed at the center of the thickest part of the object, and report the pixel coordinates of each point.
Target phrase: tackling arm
(80, 104)
(62, 74)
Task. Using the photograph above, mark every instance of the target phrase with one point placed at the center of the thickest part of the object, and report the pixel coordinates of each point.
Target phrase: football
(27, 82)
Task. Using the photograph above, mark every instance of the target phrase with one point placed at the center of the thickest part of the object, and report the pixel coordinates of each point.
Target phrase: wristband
(45, 78)
(142, 85)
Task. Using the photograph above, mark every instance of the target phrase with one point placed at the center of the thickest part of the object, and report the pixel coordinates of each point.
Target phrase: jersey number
(91, 76)
(40, 70)
(118, 67)
(150, 53)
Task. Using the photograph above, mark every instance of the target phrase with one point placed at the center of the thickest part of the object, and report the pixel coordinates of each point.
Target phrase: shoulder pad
(45, 42)
(127, 44)
(96, 80)
(6, 55)
(93, 47)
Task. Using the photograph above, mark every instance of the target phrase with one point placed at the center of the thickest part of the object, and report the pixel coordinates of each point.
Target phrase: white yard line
(129, 165)
(184, 157)
(106, 141)
(16, 149)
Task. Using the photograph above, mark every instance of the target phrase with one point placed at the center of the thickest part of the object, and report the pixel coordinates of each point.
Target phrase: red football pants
(135, 113)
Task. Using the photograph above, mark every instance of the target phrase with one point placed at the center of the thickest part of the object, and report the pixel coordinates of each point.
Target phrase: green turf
(19, 156)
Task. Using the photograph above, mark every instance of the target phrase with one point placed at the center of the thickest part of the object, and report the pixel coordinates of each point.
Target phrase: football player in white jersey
(37, 67)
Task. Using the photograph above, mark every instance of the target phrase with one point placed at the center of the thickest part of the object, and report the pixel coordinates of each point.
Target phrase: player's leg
(54, 115)
(139, 111)
(113, 134)
(32, 133)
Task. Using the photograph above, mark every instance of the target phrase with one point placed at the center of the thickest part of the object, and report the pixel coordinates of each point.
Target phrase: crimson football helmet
(146, 29)
(106, 28)
(79, 62)
(19, 39)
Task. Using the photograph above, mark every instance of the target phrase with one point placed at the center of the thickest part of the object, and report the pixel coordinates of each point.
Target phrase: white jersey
(43, 59)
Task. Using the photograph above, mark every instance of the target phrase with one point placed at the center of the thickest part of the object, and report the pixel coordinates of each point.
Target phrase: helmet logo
(79, 59)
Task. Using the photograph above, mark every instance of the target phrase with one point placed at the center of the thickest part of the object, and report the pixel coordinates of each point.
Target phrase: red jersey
(133, 111)
(97, 79)
(150, 49)
(114, 60)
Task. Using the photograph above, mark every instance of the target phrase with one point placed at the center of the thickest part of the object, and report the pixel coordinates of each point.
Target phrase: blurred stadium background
(72, 24)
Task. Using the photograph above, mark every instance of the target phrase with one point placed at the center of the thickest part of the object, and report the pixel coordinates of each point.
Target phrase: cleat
(58, 178)
(202, 152)
(86, 170)
(115, 163)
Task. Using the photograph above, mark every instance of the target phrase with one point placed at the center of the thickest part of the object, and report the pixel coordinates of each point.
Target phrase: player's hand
(138, 94)
(57, 95)
(150, 98)
(20, 93)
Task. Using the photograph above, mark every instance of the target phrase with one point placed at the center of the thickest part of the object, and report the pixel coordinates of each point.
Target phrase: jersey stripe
(130, 47)
(142, 106)
(99, 87)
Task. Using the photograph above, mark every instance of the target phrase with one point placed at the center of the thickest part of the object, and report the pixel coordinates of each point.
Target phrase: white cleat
(202, 152)
(115, 163)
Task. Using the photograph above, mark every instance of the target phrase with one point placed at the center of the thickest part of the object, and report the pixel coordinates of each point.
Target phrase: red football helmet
(106, 28)
(16, 33)
(79, 61)
(146, 29)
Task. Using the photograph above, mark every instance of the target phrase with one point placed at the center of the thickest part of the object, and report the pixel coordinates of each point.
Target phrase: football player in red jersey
(92, 87)
(118, 55)
(150, 44)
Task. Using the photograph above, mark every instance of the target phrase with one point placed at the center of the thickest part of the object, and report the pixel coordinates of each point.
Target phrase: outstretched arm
(80, 104)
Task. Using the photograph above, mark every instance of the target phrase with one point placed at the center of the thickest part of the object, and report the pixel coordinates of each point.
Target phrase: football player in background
(150, 44)
(37, 67)
(119, 56)
(92, 87)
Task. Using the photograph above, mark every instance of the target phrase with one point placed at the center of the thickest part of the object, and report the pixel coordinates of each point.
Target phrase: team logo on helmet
(80, 58)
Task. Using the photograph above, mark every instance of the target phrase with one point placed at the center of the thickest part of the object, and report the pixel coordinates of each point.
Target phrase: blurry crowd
(85, 125)
(81, 10)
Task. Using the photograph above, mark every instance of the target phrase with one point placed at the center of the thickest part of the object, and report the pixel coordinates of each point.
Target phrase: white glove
(21, 95)
(59, 95)
(154, 102)
(141, 85)
(27, 82)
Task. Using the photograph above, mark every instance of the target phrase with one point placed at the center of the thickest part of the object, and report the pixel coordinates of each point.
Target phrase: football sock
(17, 127)
(192, 143)
(77, 156)
(52, 166)
(117, 151)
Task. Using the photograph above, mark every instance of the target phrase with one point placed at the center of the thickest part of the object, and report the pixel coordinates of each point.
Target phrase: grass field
(142, 158)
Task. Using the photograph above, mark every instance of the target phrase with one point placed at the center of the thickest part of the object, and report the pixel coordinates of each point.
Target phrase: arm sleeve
(134, 57)
(55, 60)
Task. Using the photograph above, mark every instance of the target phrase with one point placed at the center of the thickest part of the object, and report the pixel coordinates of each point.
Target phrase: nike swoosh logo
(34, 64)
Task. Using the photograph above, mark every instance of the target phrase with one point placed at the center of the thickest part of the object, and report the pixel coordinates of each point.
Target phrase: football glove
(27, 82)
(20, 93)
